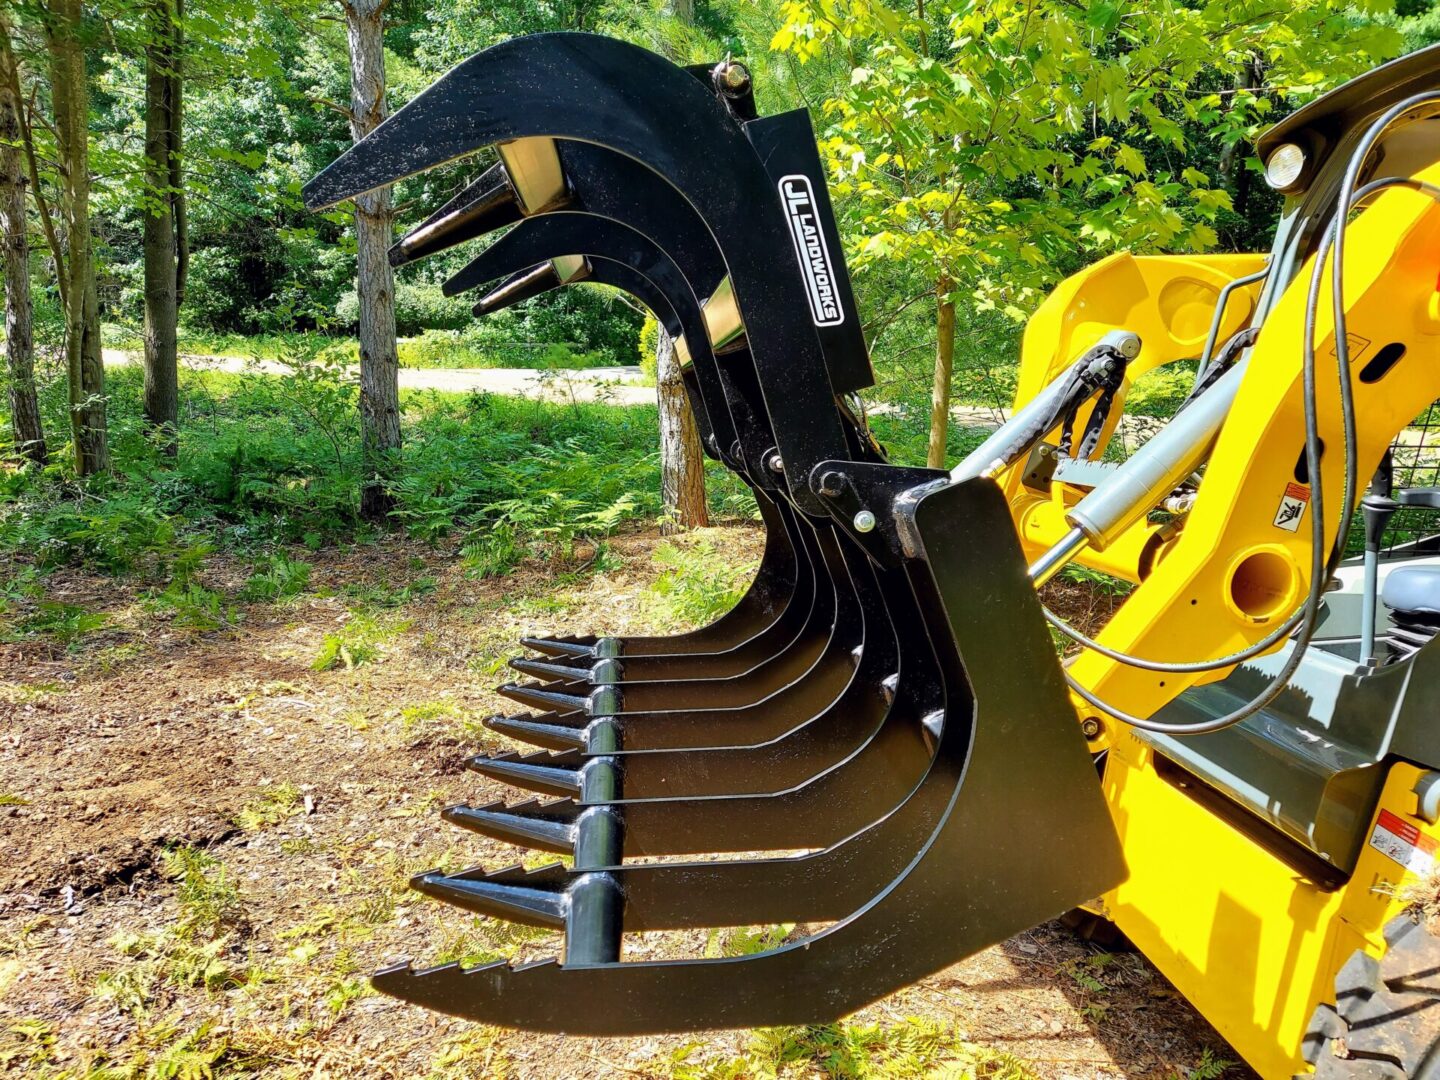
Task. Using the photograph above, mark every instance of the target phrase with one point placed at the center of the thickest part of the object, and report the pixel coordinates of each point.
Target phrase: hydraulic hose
(1321, 568)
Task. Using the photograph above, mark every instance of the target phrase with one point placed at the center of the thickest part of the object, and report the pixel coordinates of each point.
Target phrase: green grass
(266, 461)
(471, 348)
(360, 641)
(912, 1049)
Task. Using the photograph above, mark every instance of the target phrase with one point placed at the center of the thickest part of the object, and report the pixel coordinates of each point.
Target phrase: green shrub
(276, 577)
(649, 341)
(696, 584)
(65, 623)
(417, 308)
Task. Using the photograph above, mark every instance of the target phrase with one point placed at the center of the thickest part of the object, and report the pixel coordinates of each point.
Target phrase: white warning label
(1292, 507)
(1397, 839)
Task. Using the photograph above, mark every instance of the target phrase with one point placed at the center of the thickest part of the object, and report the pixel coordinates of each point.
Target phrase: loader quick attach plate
(893, 709)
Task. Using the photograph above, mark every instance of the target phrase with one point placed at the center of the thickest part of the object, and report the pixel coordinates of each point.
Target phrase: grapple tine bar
(543, 772)
(544, 827)
(551, 733)
(488, 204)
(530, 906)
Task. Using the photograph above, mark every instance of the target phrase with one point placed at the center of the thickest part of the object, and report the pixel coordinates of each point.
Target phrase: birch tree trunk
(375, 280)
(70, 100)
(944, 368)
(28, 433)
(161, 248)
(682, 468)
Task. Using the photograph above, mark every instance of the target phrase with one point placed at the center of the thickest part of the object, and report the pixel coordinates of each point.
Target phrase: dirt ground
(204, 845)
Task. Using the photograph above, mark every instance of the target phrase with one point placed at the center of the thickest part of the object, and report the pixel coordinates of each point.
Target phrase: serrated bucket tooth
(553, 646)
(501, 900)
(526, 824)
(542, 669)
(542, 697)
(548, 733)
(547, 773)
(488, 204)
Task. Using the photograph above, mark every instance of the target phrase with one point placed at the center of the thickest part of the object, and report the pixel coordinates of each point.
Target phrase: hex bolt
(776, 465)
(1091, 727)
(732, 78)
(864, 521)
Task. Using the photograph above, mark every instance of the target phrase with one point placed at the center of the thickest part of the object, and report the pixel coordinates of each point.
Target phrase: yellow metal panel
(1235, 572)
(1251, 943)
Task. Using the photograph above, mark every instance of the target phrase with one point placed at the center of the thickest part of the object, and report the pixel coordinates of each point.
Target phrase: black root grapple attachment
(878, 733)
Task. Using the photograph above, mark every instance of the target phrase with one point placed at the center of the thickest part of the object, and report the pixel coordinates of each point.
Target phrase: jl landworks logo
(810, 248)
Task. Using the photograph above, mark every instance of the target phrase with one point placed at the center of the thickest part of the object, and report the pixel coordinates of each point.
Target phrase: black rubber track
(1385, 1023)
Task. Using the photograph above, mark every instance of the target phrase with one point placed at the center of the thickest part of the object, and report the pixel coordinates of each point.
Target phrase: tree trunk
(375, 280)
(160, 242)
(944, 367)
(682, 463)
(19, 337)
(682, 468)
(70, 100)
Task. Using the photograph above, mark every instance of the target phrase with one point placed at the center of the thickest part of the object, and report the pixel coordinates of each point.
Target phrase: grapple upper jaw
(592, 89)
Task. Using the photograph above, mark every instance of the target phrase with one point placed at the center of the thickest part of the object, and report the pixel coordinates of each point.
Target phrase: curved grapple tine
(779, 742)
(594, 89)
(581, 646)
(488, 204)
(1009, 757)
(566, 240)
(619, 253)
(605, 183)
(813, 656)
(612, 245)
(551, 730)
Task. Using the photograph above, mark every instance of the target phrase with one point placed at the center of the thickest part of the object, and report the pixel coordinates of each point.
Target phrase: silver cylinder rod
(1154, 471)
(1367, 605)
(1055, 560)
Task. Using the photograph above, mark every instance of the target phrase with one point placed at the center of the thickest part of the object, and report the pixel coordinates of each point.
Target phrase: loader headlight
(1285, 166)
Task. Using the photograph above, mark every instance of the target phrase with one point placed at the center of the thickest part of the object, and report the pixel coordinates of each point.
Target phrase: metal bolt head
(776, 465)
(864, 521)
(1091, 727)
(732, 78)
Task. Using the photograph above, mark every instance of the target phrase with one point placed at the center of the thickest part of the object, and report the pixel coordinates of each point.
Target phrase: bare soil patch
(300, 801)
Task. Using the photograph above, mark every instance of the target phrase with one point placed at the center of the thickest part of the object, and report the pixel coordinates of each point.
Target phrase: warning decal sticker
(1355, 345)
(1292, 507)
(1397, 839)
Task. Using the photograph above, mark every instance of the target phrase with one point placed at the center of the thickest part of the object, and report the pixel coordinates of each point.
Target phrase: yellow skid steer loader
(1241, 771)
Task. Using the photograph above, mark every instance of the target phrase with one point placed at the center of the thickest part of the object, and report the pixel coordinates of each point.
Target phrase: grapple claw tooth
(518, 825)
(532, 729)
(547, 773)
(525, 285)
(544, 669)
(554, 646)
(543, 697)
(516, 903)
